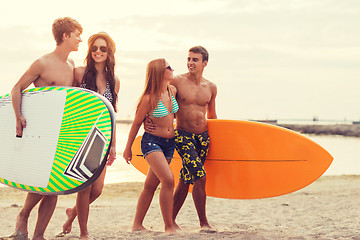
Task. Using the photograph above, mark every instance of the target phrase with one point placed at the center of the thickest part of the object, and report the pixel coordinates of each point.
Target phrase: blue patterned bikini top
(161, 111)
(107, 93)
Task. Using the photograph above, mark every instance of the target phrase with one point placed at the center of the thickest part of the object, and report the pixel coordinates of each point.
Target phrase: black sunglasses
(169, 68)
(102, 48)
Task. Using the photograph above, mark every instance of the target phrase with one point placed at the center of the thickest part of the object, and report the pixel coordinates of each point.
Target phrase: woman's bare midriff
(164, 126)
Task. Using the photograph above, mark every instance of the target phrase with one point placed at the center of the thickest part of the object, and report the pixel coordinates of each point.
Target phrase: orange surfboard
(251, 160)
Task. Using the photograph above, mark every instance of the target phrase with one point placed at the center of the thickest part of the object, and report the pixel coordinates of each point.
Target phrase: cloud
(270, 56)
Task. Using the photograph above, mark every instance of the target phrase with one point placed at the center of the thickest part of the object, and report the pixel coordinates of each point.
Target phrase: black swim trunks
(193, 149)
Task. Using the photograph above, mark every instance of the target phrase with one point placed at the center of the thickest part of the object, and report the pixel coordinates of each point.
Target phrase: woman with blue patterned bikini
(157, 103)
(98, 75)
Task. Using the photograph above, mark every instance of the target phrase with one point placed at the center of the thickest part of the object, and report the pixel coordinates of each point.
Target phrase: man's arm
(27, 78)
(211, 110)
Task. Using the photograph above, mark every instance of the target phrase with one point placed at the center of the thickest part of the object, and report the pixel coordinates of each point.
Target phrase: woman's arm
(78, 76)
(140, 115)
(112, 154)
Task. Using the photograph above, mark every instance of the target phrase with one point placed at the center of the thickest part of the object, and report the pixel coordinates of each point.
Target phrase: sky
(280, 59)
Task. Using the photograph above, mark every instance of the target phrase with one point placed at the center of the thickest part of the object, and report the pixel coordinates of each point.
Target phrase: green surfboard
(65, 144)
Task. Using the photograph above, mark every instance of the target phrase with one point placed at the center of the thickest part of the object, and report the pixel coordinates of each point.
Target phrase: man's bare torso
(193, 99)
(55, 72)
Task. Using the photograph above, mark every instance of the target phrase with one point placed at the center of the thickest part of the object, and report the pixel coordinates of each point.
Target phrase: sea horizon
(345, 150)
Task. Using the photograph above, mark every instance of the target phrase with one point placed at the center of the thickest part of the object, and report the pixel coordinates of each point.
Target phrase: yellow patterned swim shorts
(193, 149)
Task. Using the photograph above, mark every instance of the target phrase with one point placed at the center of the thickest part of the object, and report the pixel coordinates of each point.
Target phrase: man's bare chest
(198, 95)
(57, 76)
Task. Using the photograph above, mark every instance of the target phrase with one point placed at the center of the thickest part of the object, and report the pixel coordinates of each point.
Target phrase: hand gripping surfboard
(65, 144)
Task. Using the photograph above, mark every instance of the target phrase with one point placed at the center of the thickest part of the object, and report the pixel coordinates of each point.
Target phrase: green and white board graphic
(65, 144)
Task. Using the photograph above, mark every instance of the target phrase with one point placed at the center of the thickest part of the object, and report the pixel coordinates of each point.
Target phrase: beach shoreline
(348, 130)
(326, 209)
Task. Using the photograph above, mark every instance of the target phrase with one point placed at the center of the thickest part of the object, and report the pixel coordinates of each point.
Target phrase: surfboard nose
(260, 160)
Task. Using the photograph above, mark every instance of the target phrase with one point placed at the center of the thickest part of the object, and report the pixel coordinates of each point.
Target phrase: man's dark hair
(202, 50)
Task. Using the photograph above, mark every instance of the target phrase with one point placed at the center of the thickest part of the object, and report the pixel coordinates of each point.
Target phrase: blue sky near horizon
(270, 59)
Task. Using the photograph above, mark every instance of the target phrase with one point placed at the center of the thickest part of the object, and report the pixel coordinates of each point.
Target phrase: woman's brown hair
(154, 81)
(90, 71)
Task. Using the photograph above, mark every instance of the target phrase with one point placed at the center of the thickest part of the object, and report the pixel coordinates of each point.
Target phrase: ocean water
(346, 153)
(345, 150)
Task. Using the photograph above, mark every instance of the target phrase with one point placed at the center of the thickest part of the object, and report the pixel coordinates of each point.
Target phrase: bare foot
(171, 231)
(205, 226)
(138, 228)
(207, 229)
(18, 236)
(68, 224)
(176, 226)
(21, 225)
(85, 237)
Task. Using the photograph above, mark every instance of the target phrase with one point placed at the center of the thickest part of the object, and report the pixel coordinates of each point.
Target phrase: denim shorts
(151, 143)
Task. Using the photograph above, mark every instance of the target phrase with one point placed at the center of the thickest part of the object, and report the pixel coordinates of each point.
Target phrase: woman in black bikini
(98, 75)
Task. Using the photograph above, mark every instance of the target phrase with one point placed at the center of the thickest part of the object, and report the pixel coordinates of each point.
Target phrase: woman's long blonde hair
(154, 81)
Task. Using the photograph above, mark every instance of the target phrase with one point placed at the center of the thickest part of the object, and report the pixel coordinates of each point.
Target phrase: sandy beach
(327, 209)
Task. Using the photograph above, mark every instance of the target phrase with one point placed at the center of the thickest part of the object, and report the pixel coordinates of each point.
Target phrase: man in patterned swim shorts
(193, 149)
(196, 99)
